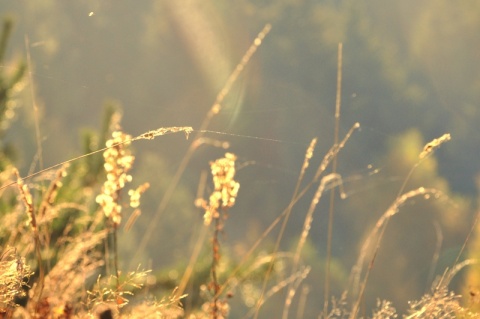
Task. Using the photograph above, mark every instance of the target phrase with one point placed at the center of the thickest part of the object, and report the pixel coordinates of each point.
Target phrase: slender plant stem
(301, 193)
(291, 291)
(302, 301)
(215, 260)
(470, 233)
(214, 110)
(199, 241)
(115, 255)
(326, 291)
(40, 161)
(34, 105)
(193, 258)
(383, 221)
(282, 228)
(41, 270)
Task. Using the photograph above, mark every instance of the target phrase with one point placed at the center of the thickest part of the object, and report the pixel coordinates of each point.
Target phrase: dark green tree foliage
(9, 82)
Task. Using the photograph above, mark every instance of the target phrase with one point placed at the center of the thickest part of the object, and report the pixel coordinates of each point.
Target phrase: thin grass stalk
(217, 105)
(436, 306)
(47, 201)
(305, 231)
(115, 256)
(428, 150)
(214, 110)
(379, 229)
(449, 274)
(36, 113)
(107, 256)
(57, 165)
(215, 261)
(131, 220)
(297, 277)
(39, 156)
(436, 253)
(321, 168)
(191, 264)
(326, 291)
(308, 156)
(28, 202)
(333, 152)
(145, 136)
(470, 233)
(363, 286)
(51, 193)
(198, 246)
(382, 223)
(302, 302)
(255, 245)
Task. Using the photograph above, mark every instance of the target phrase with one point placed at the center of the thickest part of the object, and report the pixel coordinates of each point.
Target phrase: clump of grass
(14, 275)
(108, 292)
(27, 199)
(107, 298)
(372, 244)
(440, 303)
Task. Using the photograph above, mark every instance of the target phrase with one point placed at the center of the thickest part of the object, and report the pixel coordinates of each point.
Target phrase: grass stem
(326, 291)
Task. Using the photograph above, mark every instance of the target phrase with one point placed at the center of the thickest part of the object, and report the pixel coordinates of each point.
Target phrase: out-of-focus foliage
(419, 232)
(11, 80)
(409, 75)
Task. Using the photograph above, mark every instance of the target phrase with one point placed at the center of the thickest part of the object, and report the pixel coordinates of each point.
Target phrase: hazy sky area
(410, 74)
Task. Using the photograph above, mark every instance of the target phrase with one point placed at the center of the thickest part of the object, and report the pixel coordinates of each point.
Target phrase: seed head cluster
(136, 193)
(14, 274)
(27, 200)
(225, 187)
(118, 161)
(434, 144)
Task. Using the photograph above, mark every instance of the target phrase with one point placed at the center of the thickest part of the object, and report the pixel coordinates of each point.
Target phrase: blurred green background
(410, 74)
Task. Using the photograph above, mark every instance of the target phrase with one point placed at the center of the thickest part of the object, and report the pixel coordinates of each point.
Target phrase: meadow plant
(14, 274)
(223, 197)
(118, 161)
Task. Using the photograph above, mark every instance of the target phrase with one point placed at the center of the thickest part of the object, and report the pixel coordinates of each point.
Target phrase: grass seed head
(13, 272)
(225, 187)
(118, 162)
(434, 144)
